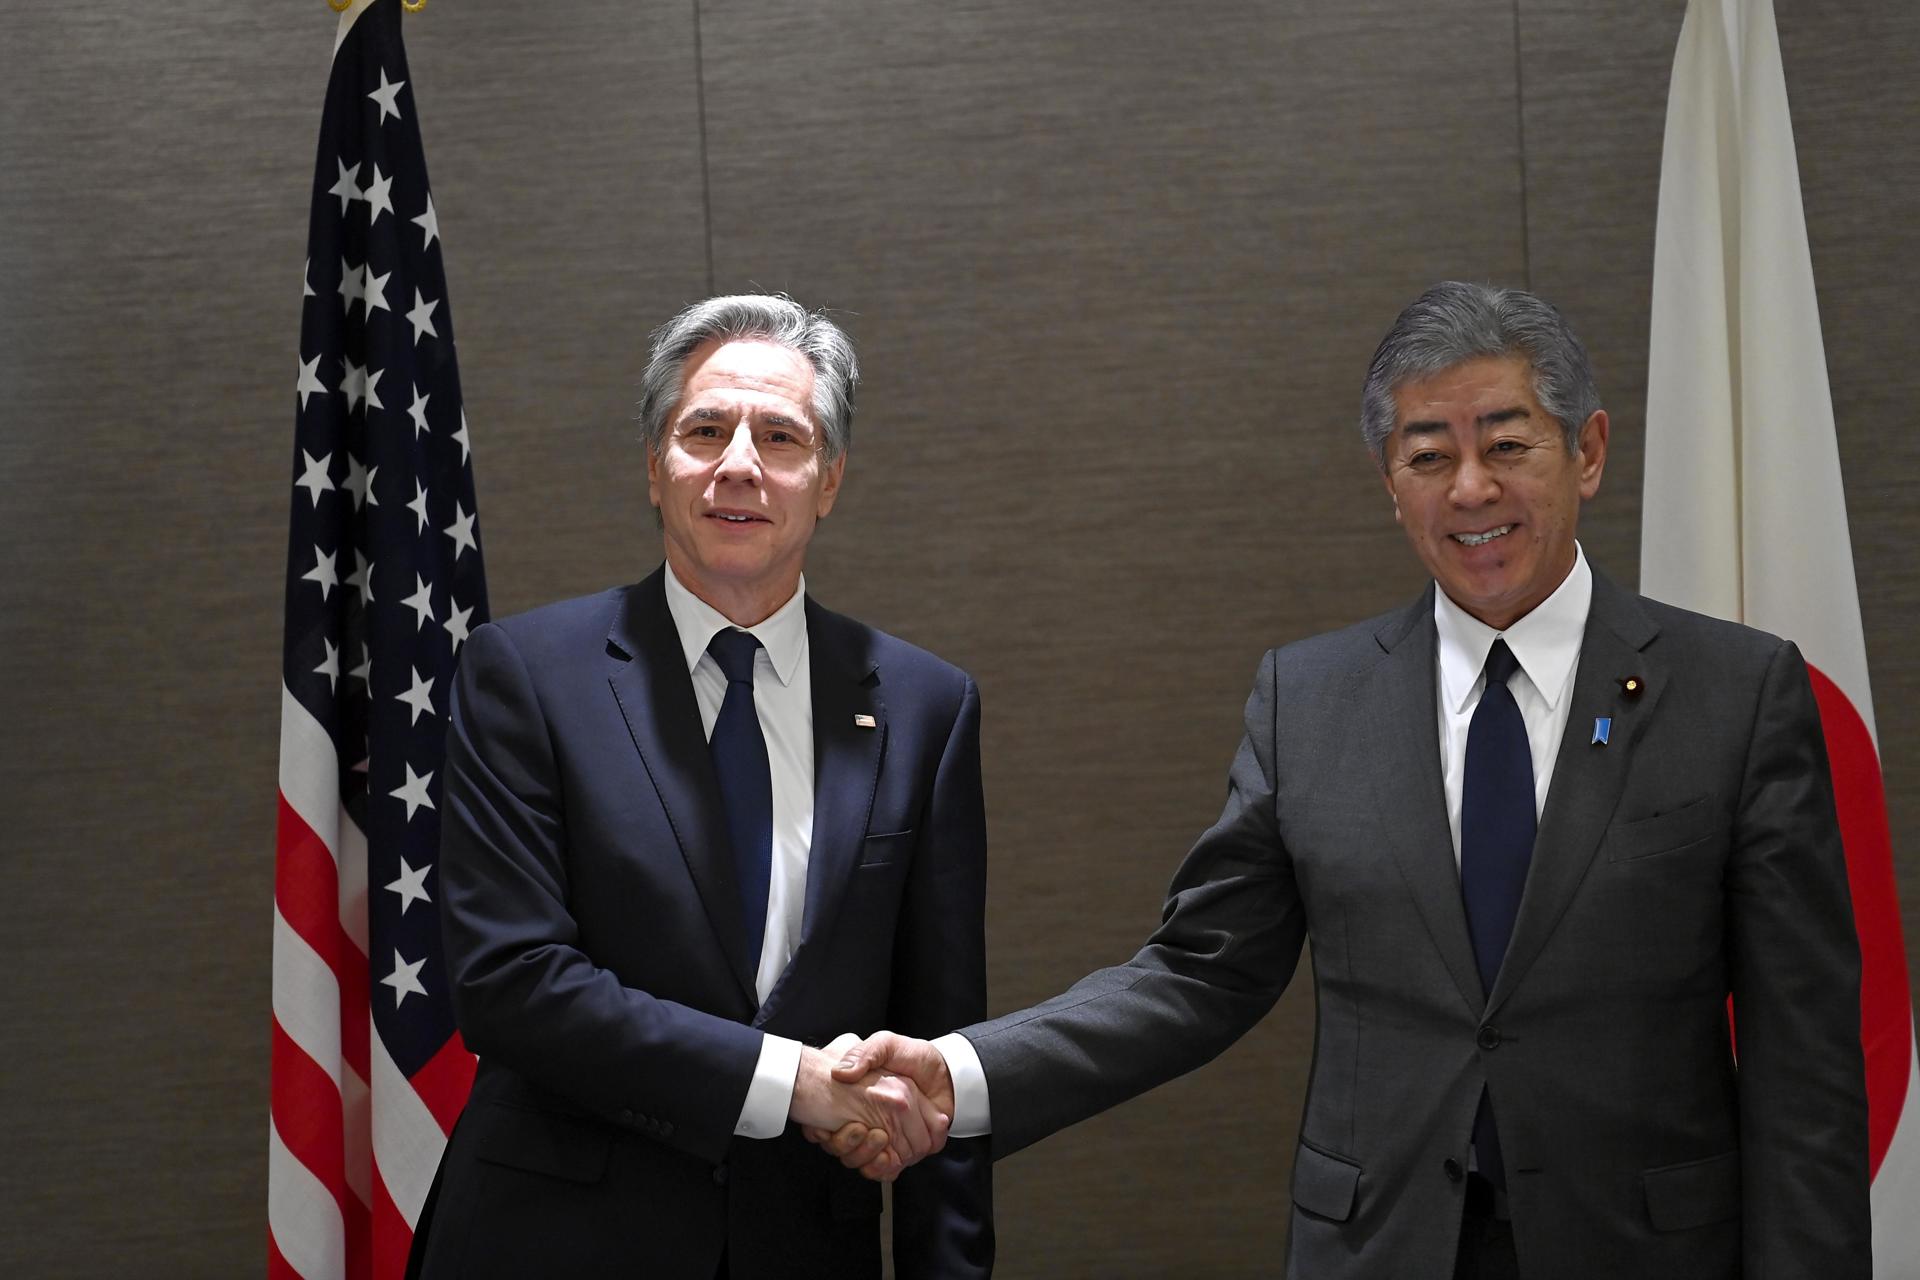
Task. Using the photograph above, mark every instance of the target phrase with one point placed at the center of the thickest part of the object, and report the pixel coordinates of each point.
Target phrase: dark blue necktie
(746, 780)
(1496, 844)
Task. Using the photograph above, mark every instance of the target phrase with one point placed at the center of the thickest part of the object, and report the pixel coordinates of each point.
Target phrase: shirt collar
(783, 633)
(1546, 641)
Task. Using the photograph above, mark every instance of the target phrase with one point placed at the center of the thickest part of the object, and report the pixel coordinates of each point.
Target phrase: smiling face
(1482, 482)
(739, 480)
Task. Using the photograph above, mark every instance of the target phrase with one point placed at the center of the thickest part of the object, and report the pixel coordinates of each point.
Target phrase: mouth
(737, 517)
(1483, 538)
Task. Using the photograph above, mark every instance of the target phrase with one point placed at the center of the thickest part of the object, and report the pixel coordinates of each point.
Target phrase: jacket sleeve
(524, 994)
(1795, 977)
(1227, 945)
(943, 1207)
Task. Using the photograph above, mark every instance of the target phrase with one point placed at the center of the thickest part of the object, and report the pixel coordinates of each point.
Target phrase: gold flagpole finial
(340, 6)
(411, 6)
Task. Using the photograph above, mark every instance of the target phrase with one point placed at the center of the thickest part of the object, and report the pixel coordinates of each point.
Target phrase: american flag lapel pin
(1602, 730)
(862, 720)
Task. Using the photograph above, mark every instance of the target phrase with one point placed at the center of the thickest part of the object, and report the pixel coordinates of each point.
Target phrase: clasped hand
(879, 1105)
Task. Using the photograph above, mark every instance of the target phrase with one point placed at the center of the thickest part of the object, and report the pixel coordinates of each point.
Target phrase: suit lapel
(655, 694)
(1587, 777)
(1396, 701)
(846, 767)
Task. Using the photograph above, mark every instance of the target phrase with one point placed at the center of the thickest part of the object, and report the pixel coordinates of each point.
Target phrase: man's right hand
(885, 1051)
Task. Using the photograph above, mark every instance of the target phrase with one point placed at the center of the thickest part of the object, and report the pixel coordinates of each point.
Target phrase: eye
(703, 431)
(1424, 458)
(778, 436)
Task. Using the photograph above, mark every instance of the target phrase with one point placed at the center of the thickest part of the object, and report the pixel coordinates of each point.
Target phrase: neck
(743, 604)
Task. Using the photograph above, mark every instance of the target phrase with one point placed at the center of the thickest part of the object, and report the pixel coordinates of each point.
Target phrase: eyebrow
(708, 413)
(1434, 427)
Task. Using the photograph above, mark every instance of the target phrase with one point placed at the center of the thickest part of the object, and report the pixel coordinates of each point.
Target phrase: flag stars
(306, 279)
(428, 222)
(461, 531)
(330, 666)
(315, 479)
(418, 412)
(411, 886)
(323, 572)
(353, 384)
(419, 508)
(379, 196)
(456, 623)
(414, 792)
(419, 698)
(373, 291)
(346, 188)
(405, 978)
(361, 579)
(309, 384)
(421, 602)
(353, 286)
(364, 672)
(388, 96)
(360, 483)
(421, 317)
(461, 435)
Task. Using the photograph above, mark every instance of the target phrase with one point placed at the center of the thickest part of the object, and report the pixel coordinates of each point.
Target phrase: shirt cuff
(972, 1116)
(770, 1096)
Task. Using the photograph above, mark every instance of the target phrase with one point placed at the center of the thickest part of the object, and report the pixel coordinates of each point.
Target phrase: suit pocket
(886, 849)
(1324, 1184)
(1692, 823)
(1694, 1194)
(542, 1142)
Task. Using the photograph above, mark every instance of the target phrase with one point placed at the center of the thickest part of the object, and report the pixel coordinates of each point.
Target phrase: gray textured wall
(1115, 270)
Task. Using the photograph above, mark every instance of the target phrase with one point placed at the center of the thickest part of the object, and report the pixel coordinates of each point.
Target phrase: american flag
(384, 582)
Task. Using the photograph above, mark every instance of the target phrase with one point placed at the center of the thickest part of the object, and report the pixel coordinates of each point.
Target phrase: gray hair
(772, 317)
(1454, 322)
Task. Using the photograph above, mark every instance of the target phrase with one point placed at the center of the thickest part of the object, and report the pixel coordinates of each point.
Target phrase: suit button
(1489, 1038)
(666, 1128)
(719, 1175)
(1452, 1169)
(626, 1116)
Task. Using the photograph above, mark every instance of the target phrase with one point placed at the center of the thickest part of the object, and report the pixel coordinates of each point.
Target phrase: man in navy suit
(695, 828)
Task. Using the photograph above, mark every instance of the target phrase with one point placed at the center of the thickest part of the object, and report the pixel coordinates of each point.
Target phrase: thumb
(863, 1057)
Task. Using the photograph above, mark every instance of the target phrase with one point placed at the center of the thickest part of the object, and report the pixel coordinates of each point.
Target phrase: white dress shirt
(1547, 643)
(783, 697)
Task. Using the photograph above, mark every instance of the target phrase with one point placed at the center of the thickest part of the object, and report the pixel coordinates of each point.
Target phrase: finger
(871, 1145)
(884, 1168)
(907, 1119)
(838, 1046)
(862, 1057)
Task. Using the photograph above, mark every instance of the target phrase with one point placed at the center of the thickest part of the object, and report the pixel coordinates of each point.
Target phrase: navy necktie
(739, 751)
(1496, 843)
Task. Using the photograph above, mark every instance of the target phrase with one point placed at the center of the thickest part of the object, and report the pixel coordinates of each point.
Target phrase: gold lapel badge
(865, 721)
(1632, 686)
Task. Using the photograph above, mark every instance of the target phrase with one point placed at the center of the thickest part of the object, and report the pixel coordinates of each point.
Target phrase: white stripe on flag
(309, 771)
(306, 998)
(356, 1109)
(407, 1140)
(303, 1216)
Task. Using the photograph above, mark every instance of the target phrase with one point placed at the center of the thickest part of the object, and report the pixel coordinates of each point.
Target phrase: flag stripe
(306, 1000)
(407, 1139)
(303, 1216)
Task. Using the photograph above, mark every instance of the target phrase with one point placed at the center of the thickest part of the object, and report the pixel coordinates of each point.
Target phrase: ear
(1593, 453)
(653, 479)
(830, 487)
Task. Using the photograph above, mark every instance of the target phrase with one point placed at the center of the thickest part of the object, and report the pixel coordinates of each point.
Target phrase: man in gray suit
(1539, 830)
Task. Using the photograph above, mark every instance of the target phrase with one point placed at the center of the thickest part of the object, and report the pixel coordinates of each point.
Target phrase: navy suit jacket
(600, 968)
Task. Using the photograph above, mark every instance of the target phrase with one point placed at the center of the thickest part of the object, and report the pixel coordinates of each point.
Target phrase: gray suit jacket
(1693, 857)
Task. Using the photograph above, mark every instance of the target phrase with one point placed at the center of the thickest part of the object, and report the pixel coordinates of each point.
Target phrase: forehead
(1465, 393)
(749, 372)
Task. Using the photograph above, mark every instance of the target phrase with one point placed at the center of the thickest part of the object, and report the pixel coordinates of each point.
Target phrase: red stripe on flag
(392, 1237)
(306, 887)
(308, 1115)
(444, 1082)
(1886, 1014)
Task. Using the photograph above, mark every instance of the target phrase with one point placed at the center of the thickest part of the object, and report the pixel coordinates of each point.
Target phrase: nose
(1474, 484)
(740, 460)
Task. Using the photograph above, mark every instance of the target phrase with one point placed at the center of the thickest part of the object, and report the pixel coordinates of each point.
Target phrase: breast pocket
(1692, 824)
(886, 849)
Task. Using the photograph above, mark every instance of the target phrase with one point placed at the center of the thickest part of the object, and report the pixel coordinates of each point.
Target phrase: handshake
(879, 1104)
